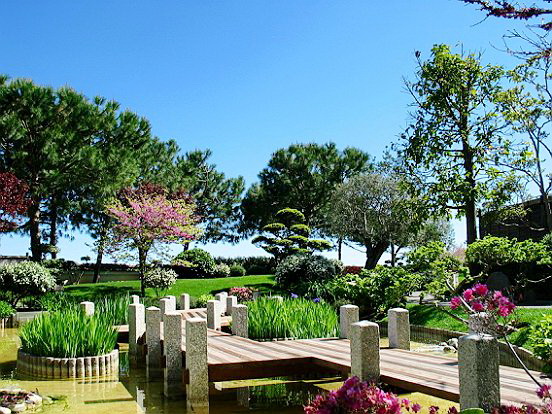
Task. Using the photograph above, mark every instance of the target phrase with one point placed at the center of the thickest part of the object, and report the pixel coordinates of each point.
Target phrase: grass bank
(194, 287)
(428, 315)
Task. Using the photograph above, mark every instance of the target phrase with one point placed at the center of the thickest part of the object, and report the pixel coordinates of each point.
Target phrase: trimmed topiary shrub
(237, 270)
(25, 279)
(254, 265)
(299, 273)
(199, 261)
(159, 279)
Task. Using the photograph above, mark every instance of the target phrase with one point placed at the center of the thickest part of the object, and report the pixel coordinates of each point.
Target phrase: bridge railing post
(240, 321)
(348, 314)
(231, 301)
(221, 297)
(478, 370)
(398, 328)
(365, 350)
(184, 301)
(167, 305)
(136, 329)
(87, 308)
(197, 390)
(213, 315)
(153, 337)
(134, 299)
(173, 325)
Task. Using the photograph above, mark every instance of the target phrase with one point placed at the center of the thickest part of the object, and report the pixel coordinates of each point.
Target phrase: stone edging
(67, 368)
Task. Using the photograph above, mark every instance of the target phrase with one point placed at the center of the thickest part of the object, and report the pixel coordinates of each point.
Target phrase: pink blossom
(477, 306)
(480, 289)
(544, 391)
(416, 407)
(468, 294)
(455, 302)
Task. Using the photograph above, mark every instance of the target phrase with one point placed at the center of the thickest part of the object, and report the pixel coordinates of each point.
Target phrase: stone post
(197, 391)
(153, 337)
(173, 325)
(277, 298)
(348, 314)
(172, 298)
(184, 301)
(482, 323)
(134, 299)
(365, 354)
(221, 297)
(87, 308)
(398, 328)
(166, 305)
(240, 321)
(231, 301)
(478, 369)
(213, 314)
(136, 328)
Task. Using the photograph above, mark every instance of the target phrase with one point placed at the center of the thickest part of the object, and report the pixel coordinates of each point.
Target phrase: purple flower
(294, 296)
(316, 300)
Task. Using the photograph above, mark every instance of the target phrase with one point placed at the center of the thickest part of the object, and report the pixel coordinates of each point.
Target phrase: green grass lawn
(194, 287)
(428, 315)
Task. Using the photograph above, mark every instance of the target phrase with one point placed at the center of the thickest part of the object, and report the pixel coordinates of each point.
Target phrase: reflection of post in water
(243, 396)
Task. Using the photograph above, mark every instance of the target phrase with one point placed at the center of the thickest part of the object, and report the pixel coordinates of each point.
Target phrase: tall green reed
(292, 318)
(69, 333)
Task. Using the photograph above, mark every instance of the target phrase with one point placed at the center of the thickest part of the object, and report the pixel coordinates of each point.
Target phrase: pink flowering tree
(148, 215)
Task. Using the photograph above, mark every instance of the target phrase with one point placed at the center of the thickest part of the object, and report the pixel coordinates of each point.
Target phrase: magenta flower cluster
(243, 294)
(544, 393)
(356, 397)
(480, 299)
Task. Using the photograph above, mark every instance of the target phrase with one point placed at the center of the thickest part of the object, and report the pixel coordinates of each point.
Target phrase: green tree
(47, 138)
(374, 211)
(301, 177)
(289, 235)
(451, 146)
(217, 198)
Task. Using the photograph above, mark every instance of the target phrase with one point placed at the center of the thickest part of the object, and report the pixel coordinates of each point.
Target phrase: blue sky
(242, 78)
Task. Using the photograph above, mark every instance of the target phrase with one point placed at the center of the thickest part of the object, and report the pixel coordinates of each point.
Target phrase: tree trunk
(142, 257)
(547, 212)
(186, 246)
(101, 248)
(374, 253)
(393, 255)
(339, 248)
(53, 227)
(34, 230)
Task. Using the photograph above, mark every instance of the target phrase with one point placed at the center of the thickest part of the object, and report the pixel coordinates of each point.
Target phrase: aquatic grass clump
(69, 334)
(115, 306)
(291, 318)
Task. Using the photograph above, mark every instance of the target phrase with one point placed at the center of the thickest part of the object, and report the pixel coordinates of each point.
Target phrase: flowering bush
(221, 270)
(243, 294)
(25, 279)
(544, 393)
(356, 397)
(159, 279)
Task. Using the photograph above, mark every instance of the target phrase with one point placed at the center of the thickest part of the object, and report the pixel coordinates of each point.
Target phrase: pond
(133, 393)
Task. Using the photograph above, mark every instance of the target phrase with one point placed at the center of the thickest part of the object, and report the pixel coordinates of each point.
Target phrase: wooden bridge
(231, 357)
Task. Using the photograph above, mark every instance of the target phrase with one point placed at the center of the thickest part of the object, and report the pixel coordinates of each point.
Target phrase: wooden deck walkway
(234, 358)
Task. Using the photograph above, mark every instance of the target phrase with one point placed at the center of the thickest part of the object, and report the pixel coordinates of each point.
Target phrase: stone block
(478, 370)
(240, 321)
(213, 314)
(134, 299)
(136, 328)
(231, 301)
(166, 305)
(398, 328)
(172, 347)
(87, 308)
(153, 337)
(348, 314)
(221, 297)
(184, 301)
(365, 350)
(197, 391)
